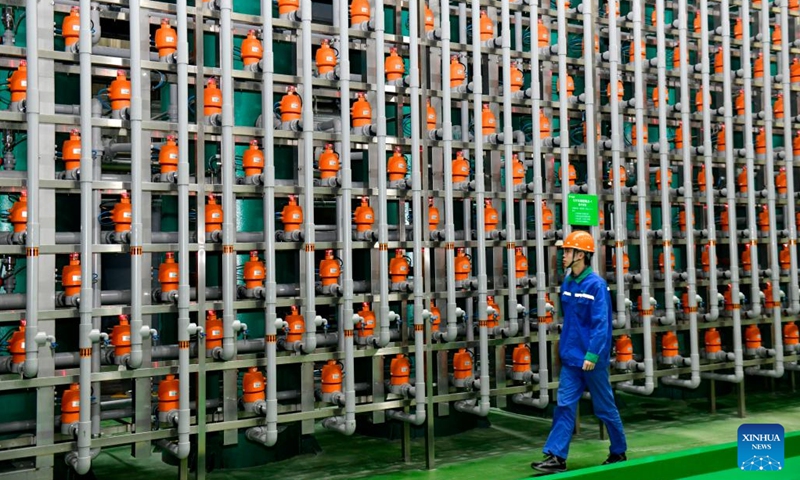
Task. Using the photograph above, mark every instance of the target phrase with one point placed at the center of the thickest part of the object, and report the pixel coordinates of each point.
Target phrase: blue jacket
(586, 308)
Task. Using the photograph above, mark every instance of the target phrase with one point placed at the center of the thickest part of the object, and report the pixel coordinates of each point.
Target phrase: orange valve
(71, 151)
(624, 347)
(705, 259)
(729, 298)
(167, 157)
(740, 103)
(366, 327)
(676, 56)
(398, 168)
(697, 25)
(399, 267)
(634, 134)
(796, 142)
(763, 219)
(431, 116)
(395, 66)
(167, 39)
(632, 56)
(168, 394)
(570, 85)
(698, 100)
(71, 27)
(713, 341)
(701, 178)
(794, 5)
(547, 217)
(16, 345)
(490, 216)
(253, 160)
(120, 92)
(436, 317)
(291, 107)
(626, 261)
(797, 220)
(492, 320)
(542, 34)
(18, 83)
(669, 344)
(429, 19)
(121, 214)
(487, 27)
(718, 61)
(549, 314)
(489, 120)
(785, 257)
(325, 58)
(433, 215)
(329, 269)
(332, 377)
(780, 181)
(460, 168)
(253, 385)
(661, 261)
(746, 258)
(752, 337)
(254, 274)
(601, 219)
(71, 405)
(620, 90)
(656, 97)
(212, 98)
(777, 108)
(596, 43)
(295, 326)
(121, 337)
(364, 216)
(517, 79)
(544, 125)
(292, 215)
(623, 176)
(214, 215)
(521, 358)
(518, 170)
(329, 162)
(463, 265)
(400, 370)
(213, 331)
(791, 334)
(71, 276)
(462, 364)
(679, 136)
(359, 12)
(741, 181)
(18, 215)
(761, 142)
(520, 264)
(721, 144)
(252, 50)
(685, 303)
(777, 34)
(288, 6)
(758, 66)
(648, 219)
(572, 174)
(658, 178)
(458, 72)
(795, 70)
(168, 274)
(738, 29)
(768, 292)
(361, 111)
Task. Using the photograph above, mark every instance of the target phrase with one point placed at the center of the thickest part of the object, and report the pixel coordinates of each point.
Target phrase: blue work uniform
(586, 335)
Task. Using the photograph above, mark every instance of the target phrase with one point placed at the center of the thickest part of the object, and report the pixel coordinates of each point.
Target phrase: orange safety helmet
(579, 240)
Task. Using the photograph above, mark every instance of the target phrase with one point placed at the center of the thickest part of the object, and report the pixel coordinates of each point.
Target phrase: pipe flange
(167, 418)
(69, 429)
(402, 287)
(463, 382)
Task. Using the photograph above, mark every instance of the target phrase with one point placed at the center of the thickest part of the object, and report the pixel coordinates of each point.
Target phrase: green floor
(502, 451)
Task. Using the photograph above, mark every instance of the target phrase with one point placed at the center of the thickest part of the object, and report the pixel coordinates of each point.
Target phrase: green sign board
(582, 210)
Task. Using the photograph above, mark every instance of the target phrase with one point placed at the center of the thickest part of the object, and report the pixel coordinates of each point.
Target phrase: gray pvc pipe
(588, 98)
(563, 112)
(123, 52)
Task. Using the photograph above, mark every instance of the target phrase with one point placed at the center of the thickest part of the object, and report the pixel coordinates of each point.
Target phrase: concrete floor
(502, 451)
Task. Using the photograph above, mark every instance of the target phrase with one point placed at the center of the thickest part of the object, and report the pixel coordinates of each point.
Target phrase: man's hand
(588, 366)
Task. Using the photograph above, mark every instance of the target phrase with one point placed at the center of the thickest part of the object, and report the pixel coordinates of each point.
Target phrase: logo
(760, 447)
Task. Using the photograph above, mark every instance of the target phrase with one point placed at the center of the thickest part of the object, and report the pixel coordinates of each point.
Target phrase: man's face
(570, 255)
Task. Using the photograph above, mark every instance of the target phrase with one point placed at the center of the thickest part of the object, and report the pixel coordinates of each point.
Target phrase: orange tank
(791, 334)
(433, 215)
(359, 12)
(167, 39)
(758, 66)
(544, 125)
(121, 337)
(119, 92)
(71, 275)
(395, 66)
(329, 269)
(167, 157)
(713, 341)
(620, 90)
(626, 261)
(632, 57)
(752, 337)
(399, 267)
(430, 116)
(785, 257)
(214, 215)
(332, 377)
(648, 219)
(780, 181)
(71, 27)
(492, 320)
(329, 162)
(489, 120)
(168, 274)
(212, 98)
(741, 181)
(729, 299)
(292, 215)
(761, 142)
(214, 331)
(254, 274)
(458, 72)
(71, 151)
(295, 326)
(740, 103)
(701, 179)
(490, 217)
(325, 58)
(18, 215)
(521, 358)
(288, 6)
(746, 258)
(719, 60)
(253, 385)
(463, 265)
(16, 345)
(429, 19)
(397, 168)
(570, 85)
(121, 214)
(777, 34)
(658, 178)
(252, 50)
(699, 100)
(542, 34)
(361, 111)
(624, 347)
(738, 29)
(253, 160)
(71, 405)
(518, 172)
(777, 107)
(364, 216)
(547, 217)
(517, 79)
(763, 219)
(366, 327)
(487, 27)
(291, 107)
(768, 293)
(460, 168)
(669, 344)
(462, 364)
(697, 25)
(18, 82)
(520, 264)
(400, 370)
(168, 394)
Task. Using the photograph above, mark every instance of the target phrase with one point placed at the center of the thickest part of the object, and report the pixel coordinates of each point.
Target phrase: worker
(585, 351)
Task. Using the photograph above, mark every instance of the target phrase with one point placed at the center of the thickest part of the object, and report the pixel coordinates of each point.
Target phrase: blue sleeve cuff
(592, 357)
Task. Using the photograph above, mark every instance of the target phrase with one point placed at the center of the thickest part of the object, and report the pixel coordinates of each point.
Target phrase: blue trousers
(573, 383)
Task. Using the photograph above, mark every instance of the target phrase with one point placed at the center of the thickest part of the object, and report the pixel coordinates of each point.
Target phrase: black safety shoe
(615, 458)
(550, 464)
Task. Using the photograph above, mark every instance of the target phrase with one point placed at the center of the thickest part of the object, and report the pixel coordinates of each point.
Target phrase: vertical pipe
(183, 229)
(589, 91)
(563, 111)
(462, 38)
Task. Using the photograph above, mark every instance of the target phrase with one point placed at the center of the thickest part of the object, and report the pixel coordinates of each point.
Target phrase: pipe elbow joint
(79, 462)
